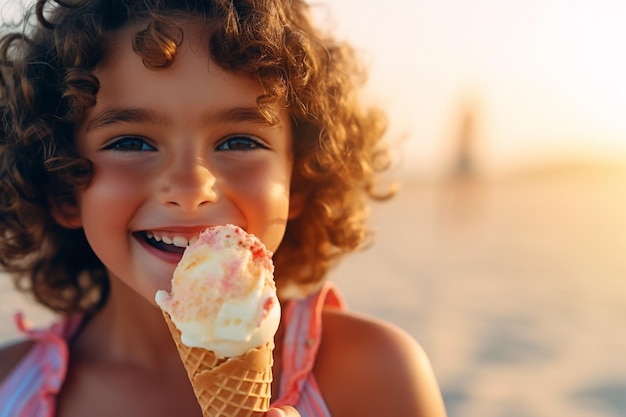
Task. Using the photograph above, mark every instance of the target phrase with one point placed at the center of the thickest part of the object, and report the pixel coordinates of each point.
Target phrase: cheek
(111, 193)
(263, 194)
(119, 180)
(273, 198)
(273, 220)
(107, 206)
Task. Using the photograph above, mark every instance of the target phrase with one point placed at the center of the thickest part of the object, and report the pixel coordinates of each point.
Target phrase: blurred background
(501, 253)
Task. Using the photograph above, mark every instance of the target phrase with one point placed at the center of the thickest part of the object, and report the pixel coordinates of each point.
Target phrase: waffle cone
(229, 387)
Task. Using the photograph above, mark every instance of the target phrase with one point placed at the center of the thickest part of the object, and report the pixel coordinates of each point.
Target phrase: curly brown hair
(47, 83)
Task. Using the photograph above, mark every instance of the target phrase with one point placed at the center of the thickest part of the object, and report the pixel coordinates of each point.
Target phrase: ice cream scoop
(223, 296)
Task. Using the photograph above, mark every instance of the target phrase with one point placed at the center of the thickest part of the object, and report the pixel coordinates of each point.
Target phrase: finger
(284, 411)
(275, 412)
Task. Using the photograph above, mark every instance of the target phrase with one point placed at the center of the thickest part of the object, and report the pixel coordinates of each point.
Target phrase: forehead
(192, 89)
(126, 74)
(154, 42)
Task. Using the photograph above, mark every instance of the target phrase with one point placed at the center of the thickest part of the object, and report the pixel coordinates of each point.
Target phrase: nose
(188, 185)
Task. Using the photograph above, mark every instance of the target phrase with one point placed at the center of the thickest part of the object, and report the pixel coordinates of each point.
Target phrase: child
(127, 127)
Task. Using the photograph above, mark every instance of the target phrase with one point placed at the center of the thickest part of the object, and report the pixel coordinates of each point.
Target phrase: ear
(66, 213)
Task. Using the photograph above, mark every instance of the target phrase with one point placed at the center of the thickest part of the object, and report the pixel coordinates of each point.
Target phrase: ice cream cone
(230, 387)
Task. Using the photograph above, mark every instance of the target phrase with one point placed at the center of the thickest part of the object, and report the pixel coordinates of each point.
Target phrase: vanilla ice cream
(223, 296)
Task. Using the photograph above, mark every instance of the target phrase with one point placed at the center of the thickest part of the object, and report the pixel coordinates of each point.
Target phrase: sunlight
(547, 75)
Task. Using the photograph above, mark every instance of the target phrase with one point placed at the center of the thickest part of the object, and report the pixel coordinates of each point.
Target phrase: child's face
(176, 150)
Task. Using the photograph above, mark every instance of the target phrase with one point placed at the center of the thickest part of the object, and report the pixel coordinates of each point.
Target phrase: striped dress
(31, 389)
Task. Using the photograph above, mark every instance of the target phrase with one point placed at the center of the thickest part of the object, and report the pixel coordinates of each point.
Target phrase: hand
(285, 411)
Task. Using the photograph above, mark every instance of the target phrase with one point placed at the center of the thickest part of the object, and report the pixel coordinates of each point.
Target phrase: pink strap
(31, 388)
(303, 320)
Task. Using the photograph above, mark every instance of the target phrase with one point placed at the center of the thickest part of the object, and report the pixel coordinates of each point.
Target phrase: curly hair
(47, 83)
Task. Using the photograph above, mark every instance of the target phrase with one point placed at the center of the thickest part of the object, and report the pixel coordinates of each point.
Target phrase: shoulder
(369, 367)
(11, 354)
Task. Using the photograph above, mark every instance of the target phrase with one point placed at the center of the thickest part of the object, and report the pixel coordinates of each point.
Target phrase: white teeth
(179, 241)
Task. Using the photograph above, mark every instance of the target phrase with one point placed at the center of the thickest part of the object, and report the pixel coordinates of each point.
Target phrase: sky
(546, 78)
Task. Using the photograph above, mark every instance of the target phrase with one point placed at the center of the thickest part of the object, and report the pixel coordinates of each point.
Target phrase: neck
(129, 330)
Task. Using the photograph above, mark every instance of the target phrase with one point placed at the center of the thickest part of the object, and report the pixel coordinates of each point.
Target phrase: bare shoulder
(11, 354)
(369, 367)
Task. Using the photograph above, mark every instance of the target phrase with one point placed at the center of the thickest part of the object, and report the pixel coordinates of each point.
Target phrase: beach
(515, 287)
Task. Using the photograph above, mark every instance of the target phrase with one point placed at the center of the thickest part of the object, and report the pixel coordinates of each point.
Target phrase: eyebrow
(138, 115)
(123, 115)
(240, 114)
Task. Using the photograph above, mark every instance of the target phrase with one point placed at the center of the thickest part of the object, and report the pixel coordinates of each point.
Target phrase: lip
(168, 257)
(189, 232)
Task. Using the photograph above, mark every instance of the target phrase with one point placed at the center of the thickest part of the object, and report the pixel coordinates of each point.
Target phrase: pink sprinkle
(267, 307)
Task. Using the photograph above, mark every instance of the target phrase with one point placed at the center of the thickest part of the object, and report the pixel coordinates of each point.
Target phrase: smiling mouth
(169, 244)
